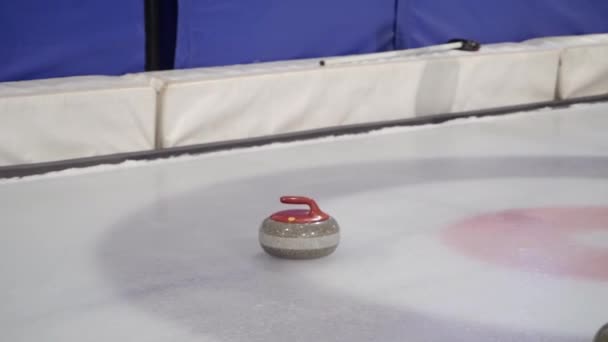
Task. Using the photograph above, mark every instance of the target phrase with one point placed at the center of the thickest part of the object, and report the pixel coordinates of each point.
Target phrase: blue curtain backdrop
(429, 22)
(238, 31)
(42, 38)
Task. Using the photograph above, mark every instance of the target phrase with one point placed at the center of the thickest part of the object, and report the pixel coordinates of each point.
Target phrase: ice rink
(488, 229)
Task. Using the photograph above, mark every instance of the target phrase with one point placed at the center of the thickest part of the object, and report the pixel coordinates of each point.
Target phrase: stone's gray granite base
(299, 243)
(602, 334)
(299, 254)
(299, 240)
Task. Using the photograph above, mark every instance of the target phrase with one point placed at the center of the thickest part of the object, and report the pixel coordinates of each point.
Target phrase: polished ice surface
(168, 251)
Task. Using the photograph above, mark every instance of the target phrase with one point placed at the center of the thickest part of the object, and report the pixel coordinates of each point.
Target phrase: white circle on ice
(391, 254)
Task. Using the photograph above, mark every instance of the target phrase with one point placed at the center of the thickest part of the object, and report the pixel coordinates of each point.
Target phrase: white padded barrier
(564, 42)
(584, 64)
(584, 71)
(216, 104)
(57, 119)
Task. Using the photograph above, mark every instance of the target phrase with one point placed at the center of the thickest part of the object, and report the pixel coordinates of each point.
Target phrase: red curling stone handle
(314, 213)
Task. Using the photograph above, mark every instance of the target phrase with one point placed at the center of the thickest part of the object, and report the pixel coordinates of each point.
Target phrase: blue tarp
(429, 22)
(237, 31)
(42, 39)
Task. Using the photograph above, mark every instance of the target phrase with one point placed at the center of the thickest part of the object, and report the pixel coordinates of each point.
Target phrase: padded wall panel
(584, 64)
(569, 41)
(429, 22)
(227, 32)
(207, 105)
(584, 71)
(43, 39)
(75, 117)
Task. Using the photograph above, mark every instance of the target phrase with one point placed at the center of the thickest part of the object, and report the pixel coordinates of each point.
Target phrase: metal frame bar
(152, 20)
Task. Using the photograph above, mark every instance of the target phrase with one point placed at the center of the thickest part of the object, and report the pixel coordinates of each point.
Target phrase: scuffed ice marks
(192, 260)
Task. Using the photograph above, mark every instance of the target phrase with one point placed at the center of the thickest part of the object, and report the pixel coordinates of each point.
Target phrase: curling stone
(602, 334)
(299, 233)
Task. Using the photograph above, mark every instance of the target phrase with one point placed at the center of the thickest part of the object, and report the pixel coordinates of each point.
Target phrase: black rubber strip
(41, 168)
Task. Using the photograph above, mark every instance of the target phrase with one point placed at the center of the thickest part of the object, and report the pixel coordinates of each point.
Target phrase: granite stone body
(602, 334)
(299, 240)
